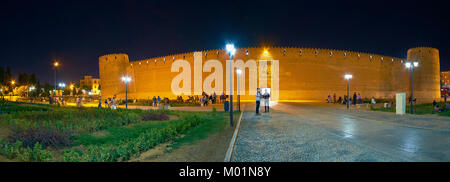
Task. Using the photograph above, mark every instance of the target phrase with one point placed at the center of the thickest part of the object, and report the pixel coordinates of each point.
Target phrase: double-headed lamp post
(238, 71)
(231, 50)
(348, 77)
(411, 66)
(126, 79)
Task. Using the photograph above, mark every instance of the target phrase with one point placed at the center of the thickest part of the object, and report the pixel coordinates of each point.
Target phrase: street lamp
(55, 66)
(231, 50)
(126, 79)
(348, 77)
(12, 89)
(238, 71)
(411, 67)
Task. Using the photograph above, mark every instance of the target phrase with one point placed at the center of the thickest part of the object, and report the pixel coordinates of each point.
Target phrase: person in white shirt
(266, 97)
(258, 100)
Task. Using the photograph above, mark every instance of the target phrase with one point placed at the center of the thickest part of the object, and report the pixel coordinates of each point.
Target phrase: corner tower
(112, 67)
(426, 76)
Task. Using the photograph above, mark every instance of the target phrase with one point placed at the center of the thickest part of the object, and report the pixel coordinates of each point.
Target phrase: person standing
(334, 98)
(154, 101)
(354, 98)
(159, 100)
(266, 97)
(258, 100)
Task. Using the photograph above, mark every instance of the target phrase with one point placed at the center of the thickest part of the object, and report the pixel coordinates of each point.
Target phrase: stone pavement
(311, 132)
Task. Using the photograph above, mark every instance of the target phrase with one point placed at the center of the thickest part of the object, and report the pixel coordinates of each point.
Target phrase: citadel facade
(293, 74)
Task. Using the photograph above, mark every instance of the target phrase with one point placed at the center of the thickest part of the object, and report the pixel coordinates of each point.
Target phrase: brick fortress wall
(304, 73)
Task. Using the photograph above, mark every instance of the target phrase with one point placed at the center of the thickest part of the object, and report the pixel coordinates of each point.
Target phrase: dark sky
(34, 33)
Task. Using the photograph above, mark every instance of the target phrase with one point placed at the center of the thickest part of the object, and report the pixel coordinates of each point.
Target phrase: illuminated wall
(303, 73)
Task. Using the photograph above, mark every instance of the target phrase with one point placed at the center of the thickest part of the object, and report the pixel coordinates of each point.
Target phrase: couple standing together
(265, 97)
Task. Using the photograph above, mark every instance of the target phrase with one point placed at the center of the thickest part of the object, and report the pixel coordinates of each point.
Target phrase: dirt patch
(211, 149)
(100, 133)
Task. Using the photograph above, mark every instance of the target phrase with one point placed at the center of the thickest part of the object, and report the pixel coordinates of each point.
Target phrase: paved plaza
(328, 132)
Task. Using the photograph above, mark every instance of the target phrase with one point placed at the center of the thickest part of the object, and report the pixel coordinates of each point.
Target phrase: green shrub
(133, 147)
(17, 151)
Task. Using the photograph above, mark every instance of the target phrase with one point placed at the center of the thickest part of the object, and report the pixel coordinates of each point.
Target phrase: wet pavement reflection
(308, 132)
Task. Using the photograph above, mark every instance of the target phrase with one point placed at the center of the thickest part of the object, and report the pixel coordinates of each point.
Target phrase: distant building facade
(445, 79)
(92, 84)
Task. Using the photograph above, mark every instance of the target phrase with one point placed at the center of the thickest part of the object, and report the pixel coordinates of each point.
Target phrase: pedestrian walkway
(304, 132)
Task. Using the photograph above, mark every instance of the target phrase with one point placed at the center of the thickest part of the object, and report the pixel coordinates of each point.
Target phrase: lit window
(331, 53)
(155, 60)
(316, 52)
(359, 56)
(381, 58)
(246, 52)
(139, 63)
(370, 57)
(173, 58)
(206, 54)
(217, 52)
(345, 54)
(392, 59)
(147, 62)
(300, 52)
(164, 59)
(284, 51)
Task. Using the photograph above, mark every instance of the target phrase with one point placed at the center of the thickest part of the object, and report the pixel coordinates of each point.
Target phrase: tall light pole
(12, 89)
(348, 77)
(126, 79)
(55, 66)
(238, 71)
(411, 66)
(231, 50)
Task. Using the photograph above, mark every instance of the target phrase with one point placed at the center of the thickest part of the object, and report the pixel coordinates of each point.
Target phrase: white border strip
(233, 140)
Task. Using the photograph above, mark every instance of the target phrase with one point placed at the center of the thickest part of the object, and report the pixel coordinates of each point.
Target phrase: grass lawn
(39, 132)
(419, 109)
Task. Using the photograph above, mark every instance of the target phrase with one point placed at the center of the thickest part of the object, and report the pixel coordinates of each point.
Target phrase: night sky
(35, 33)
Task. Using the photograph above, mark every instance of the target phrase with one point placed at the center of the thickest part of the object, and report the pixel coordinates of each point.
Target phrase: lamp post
(411, 67)
(12, 89)
(238, 71)
(231, 50)
(126, 79)
(348, 77)
(55, 66)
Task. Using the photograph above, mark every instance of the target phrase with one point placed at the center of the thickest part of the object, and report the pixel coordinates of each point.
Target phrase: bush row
(90, 120)
(17, 151)
(127, 149)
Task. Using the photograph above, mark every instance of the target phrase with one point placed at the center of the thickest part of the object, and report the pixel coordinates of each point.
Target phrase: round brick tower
(426, 76)
(112, 67)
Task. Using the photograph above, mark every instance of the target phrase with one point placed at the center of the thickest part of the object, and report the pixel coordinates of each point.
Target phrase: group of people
(206, 99)
(265, 97)
(356, 99)
(56, 100)
(111, 103)
(157, 101)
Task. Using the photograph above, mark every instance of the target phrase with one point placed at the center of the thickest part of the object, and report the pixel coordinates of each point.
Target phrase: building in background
(90, 85)
(445, 82)
(292, 74)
